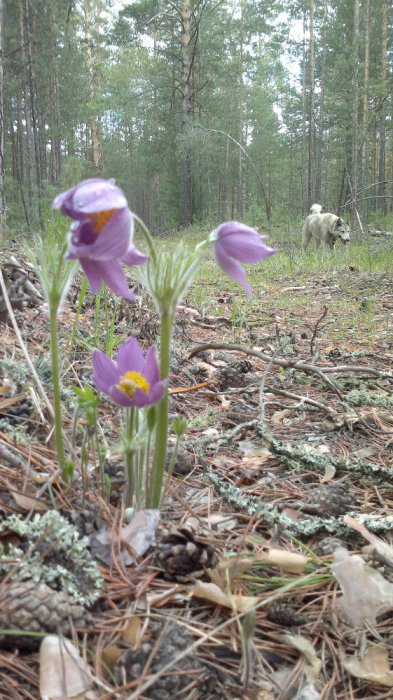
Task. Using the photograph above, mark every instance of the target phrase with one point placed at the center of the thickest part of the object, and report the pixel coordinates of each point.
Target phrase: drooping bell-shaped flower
(132, 379)
(101, 234)
(236, 243)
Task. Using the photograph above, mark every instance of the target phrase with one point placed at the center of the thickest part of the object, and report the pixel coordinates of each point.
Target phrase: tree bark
(55, 150)
(186, 110)
(25, 146)
(382, 116)
(320, 131)
(355, 106)
(33, 112)
(305, 205)
(241, 118)
(365, 115)
(311, 116)
(2, 168)
(94, 126)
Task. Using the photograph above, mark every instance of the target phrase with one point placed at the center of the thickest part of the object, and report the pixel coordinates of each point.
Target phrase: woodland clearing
(287, 454)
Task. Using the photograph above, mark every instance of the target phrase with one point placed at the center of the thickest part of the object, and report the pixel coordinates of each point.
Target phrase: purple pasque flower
(101, 233)
(132, 379)
(233, 243)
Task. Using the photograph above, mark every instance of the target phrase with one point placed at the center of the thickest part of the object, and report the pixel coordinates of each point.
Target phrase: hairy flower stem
(81, 299)
(130, 458)
(148, 238)
(53, 313)
(155, 493)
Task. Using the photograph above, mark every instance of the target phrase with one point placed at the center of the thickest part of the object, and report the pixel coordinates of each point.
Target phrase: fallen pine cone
(183, 555)
(284, 613)
(327, 501)
(331, 500)
(166, 642)
(30, 607)
(238, 374)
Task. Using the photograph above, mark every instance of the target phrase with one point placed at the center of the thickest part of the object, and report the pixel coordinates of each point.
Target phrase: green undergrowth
(295, 268)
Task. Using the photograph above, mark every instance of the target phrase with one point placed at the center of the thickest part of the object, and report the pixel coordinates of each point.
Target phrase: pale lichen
(51, 552)
(363, 397)
(296, 459)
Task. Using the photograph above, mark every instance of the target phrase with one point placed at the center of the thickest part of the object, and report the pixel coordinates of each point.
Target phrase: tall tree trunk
(26, 155)
(365, 116)
(241, 117)
(353, 172)
(33, 111)
(374, 150)
(311, 116)
(55, 150)
(95, 127)
(20, 146)
(16, 173)
(382, 115)
(186, 109)
(305, 204)
(2, 168)
(319, 139)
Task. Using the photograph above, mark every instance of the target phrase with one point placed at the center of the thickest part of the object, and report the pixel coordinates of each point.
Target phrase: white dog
(326, 228)
(316, 209)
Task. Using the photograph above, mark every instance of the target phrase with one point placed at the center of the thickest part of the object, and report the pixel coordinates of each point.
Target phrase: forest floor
(271, 576)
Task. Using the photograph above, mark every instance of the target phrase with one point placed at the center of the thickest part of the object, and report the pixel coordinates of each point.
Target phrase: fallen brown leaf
(373, 666)
(214, 594)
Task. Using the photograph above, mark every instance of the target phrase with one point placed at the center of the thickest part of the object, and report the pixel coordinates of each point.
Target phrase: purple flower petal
(242, 243)
(140, 398)
(120, 397)
(114, 278)
(106, 373)
(82, 233)
(129, 358)
(101, 232)
(152, 372)
(65, 200)
(134, 257)
(109, 272)
(112, 243)
(115, 239)
(95, 195)
(93, 274)
(157, 392)
(232, 268)
(233, 243)
(90, 196)
(130, 354)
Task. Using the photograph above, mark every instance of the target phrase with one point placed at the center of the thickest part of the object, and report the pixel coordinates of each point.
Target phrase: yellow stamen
(130, 381)
(100, 218)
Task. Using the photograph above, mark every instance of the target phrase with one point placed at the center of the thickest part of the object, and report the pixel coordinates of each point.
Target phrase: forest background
(203, 110)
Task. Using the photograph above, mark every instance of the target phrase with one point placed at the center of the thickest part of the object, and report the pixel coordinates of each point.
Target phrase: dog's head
(341, 231)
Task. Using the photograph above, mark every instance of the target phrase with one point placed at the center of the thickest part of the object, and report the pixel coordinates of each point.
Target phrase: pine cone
(283, 613)
(331, 500)
(167, 643)
(86, 518)
(235, 375)
(31, 607)
(183, 555)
